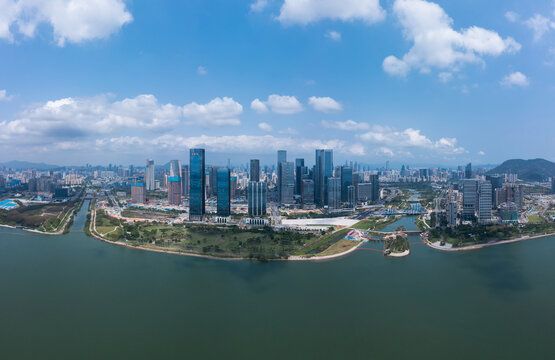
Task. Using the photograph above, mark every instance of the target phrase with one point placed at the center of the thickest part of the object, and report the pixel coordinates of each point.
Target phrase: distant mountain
(22, 165)
(531, 170)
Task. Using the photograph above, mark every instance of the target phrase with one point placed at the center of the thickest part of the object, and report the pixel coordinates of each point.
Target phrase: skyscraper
(334, 192)
(307, 191)
(468, 171)
(484, 202)
(197, 183)
(257, 195)
(470, 191)
(254, 170)
(323, 169)
(281, 156)
(224, 195)
(351, 197)
(185, 180)
(138, 193)
(346, 181)
(174, 183)
(300, 170)
(287, 183)
(452, 208)
(375, 181)
(149, 175)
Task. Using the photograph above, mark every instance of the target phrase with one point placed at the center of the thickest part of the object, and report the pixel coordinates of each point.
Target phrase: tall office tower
(174, 183)
(513, 193)
(307, 191)
(470, 191)
(281, 156)
(233, 187)
(484, 202)
(351, 196)
(185, 180)
(224, 193)
(346, 181)
(213, 181)
(468, 171)
(149, 175)
(553, 185)
(300, 171)
(334, 193)
(257, 194)
(375, 181)
(452, 208)
(496, 183)
(255, 170)
(287, 183)
(138, 193)
(197, 179)
(323, 169)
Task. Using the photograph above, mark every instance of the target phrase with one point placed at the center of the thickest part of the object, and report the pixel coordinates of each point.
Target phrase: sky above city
(409, 81)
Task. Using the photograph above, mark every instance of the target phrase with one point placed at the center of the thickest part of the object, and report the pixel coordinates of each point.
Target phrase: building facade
(257, 193)
(197, 184)
(224, 193)
(149, 175)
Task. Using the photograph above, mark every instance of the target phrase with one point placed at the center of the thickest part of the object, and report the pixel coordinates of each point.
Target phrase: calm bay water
(75, 297)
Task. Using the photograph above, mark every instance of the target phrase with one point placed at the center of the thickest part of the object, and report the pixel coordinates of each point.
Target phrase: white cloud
(445, 77)
(265, 144)
(70, 118)
(481, 153)
(307, 11)
(289, 131)
(409, 138)
(324, 104)
(511, 16)
(348, 125)
(71, 20)
(218, 112)
(264, 126)
(259, 5)
(259, 106)
(515, 79)
(201, 70)
(436, 44)
(334, 35)
(282, 104)
(4, 96)
(539, 25)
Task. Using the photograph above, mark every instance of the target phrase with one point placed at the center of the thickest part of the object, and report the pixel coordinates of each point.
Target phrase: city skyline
(229, 78)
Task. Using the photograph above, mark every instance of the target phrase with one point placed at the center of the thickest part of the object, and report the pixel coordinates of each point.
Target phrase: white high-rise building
(149, 175)
(484, 202)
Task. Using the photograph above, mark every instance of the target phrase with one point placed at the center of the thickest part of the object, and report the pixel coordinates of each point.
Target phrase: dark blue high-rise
(197, 183)
(223, 206)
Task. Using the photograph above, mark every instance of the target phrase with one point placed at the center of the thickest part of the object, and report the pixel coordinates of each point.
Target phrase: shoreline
(480, 246)
(399, 255)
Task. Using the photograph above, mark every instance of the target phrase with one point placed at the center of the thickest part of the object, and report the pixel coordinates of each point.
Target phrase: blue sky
(410, 81)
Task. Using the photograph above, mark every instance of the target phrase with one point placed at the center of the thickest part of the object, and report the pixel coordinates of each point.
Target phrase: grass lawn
(534, 219)
(339, 247)
(323, 243)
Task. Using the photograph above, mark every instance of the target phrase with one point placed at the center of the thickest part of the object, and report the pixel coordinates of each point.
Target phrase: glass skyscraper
(174, 183)
(197, 186)
(346, 181)
(255, 170)
(223, 205)
(257, 194)
(323, 169)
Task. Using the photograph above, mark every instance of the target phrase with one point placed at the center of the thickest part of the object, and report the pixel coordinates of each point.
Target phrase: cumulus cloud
(308, 11)
(218, 112)
(265, 144)
(264, 126)
(515, 79)
(4, 95)
(409, 138)
(436, 44)
(259, 5)
(481, 153)
(289, 131)
(324, 104)
(259, 106)
(540, 25)
(333, 35)
(348, 125)
(70, 118)
(279, 104)
(73, 21)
